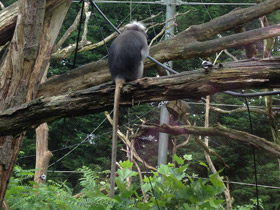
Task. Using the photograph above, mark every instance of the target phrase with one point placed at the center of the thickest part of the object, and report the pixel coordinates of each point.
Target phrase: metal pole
(164, 115)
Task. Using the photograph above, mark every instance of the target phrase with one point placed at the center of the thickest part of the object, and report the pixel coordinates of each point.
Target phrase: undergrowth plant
(168, 188)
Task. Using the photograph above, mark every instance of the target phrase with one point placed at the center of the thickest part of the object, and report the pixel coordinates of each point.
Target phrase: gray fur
(127, 53)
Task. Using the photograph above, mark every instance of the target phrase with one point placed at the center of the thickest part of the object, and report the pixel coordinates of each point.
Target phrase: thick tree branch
(180, 47)
(195, 84)
(236, 17)
(8, 19)
(241, 109)
(97, 72)
(219, 130)
(23, 66)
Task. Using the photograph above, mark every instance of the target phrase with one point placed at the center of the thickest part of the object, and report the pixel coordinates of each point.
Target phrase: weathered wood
(183, 46)
(8, 19)
(15, 71)
(219, 130)
(83, 77)
(43, 155)
(180, 47)
(232, 19)
(96, 73)
(23, 66)
(195, 84)
(200, 32)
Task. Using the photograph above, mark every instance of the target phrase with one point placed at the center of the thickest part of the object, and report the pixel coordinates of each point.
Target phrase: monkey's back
(126, 55)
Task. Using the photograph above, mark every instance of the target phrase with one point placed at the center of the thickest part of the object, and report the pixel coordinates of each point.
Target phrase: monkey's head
(134, 25)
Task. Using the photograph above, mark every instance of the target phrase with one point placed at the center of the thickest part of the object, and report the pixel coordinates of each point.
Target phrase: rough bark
(23, 66)
(219, 130)
(16, 68)
(195, 84)
(8, 19)
(187, 44)
(43, 155)
(178, 48)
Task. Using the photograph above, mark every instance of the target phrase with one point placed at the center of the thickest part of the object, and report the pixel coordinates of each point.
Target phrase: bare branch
(2, 5)
(127, 142)
(87, 13)
(219, 130)
(72, 28)
(241, 109)
(210, 151)
(230, 55)
(160, 33)
(184, 143)
(152, 17)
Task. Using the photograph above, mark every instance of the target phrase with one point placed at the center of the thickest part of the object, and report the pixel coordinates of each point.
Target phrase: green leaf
(216, 181)
(125, 173)
(204, 164)
(178, 160)
(97, 206)
(126, 164)
(216, 203)
(187, 157)
(164, 170)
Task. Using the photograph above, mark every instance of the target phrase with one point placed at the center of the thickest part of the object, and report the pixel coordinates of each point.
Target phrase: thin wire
(268, 93)
(206, 10)
(175, 72)
(251, 130)
(194, 177)
(130, 10)
(78, 144)
(104, 16)
(152, 188)
(181, 3)
(149, 7)
(128, 15)
(254, 153)
(79, 32)
(97, 137)
(117, 30)
(101, 31)
(74, 65)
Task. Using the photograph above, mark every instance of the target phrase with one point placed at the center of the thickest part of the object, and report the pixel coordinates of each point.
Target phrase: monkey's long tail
(119, 84)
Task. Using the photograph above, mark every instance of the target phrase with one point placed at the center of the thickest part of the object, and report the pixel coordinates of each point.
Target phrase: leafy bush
(168, 188)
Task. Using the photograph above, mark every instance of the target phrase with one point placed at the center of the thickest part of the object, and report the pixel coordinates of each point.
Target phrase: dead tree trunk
(24, 65)
(43, 155)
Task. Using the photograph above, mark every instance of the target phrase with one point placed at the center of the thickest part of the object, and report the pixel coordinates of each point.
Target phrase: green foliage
(53, 195)
(169, 188)
(8, 2)
(71, 131)
(250, 206)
